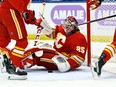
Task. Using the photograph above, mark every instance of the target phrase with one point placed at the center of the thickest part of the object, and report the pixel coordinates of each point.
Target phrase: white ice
(39, 77)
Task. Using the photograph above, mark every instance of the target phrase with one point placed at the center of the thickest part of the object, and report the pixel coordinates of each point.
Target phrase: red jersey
(10, 10)
(74, 44)
(13, 28)
(73, 47)
(19, 5)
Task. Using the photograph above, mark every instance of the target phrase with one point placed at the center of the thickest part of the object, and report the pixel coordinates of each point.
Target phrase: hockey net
(101, 32)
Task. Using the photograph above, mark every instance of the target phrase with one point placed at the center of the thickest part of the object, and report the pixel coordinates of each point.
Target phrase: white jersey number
(80, 49)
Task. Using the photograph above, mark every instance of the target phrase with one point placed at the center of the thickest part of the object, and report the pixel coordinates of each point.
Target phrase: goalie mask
(70, 25)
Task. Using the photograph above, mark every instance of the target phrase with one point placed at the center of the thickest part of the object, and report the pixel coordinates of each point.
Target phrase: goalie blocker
(47, 28)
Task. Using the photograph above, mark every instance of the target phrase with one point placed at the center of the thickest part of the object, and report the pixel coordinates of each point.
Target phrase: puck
(50, 71)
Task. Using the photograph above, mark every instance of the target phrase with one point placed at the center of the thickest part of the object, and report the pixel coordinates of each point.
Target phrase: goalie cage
(100, 33)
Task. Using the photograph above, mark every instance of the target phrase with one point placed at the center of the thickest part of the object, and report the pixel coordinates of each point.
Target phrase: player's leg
(4, 41)
(17, 55)
(16, 30)
(107, 53)
(14, 72)
(6, 64)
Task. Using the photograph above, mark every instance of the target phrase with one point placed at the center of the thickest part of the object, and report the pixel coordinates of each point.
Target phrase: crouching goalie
(69, 46)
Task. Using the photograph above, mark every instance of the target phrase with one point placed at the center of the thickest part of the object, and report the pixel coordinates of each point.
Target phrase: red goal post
(100, 26)
(88, 34)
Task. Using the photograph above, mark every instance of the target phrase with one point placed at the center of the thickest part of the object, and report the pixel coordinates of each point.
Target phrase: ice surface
(81, 77)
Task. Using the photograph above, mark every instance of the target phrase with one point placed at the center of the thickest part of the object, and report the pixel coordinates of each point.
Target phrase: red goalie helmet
(70, 25)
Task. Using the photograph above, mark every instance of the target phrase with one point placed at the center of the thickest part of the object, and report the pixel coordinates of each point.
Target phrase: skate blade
(3, 70)
(2, 66)
(17, 77)
(94, 74)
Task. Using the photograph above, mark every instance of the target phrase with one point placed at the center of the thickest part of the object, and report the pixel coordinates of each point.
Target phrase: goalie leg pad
(61, 63)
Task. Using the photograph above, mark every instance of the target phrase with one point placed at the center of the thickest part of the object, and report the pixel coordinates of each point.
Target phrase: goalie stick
(97, 20)
(39, 28)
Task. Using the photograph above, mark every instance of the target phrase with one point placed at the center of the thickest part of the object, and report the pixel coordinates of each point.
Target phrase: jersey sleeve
(19, 5)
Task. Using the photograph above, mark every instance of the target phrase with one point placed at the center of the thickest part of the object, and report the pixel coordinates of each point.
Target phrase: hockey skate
(96, 70)
(97, 66)
(14, 73)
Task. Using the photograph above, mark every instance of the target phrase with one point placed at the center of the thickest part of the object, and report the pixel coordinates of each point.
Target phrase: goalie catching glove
(46, 27)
